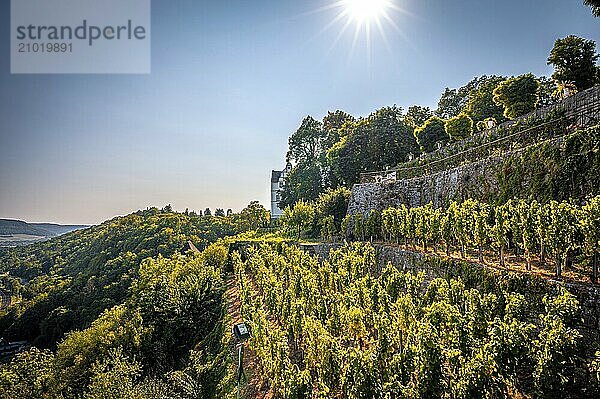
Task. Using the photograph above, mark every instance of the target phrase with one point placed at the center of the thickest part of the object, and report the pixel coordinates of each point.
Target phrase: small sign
(241, 332)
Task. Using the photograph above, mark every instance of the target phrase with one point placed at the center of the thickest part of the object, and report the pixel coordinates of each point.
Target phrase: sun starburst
(367, 18)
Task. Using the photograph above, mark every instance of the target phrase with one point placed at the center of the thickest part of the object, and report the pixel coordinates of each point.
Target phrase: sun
(366, 18)
(365, 11)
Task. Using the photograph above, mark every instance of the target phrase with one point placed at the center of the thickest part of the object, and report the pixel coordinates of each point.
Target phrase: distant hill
(58, 229)
(18, 227)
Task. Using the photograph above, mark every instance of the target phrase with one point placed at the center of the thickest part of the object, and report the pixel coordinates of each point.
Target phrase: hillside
(67, 282)
(18, 233)
(15, 227)
(127, 293)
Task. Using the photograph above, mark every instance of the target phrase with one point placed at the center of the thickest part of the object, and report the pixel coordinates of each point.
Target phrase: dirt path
(254, 389)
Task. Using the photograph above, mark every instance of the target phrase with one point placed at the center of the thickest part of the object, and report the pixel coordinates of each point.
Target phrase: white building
(277, 185)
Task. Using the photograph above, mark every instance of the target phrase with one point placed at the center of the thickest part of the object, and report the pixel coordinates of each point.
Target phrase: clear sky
(230, 81)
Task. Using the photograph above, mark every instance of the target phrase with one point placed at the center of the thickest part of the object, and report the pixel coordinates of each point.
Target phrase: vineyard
(338, 329)
(557, 233)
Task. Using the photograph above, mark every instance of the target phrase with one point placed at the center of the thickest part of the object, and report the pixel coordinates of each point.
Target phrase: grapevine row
(339, 329)
(558, 230)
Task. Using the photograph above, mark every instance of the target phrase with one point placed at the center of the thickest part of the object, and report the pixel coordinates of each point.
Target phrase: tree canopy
(431, 133)
(574, 60)
(518, 95)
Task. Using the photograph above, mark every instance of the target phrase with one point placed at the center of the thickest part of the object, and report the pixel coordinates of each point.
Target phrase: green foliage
(555, 348)
(299, 217)
(29, 376)
(547, 171)
(333, 124)
(518, 95)
(176, 305)
(546, 92)
(555, 228)
(328, 228)
(595, 4)
(339, 328)
(333, 203)
(459, 127)
(253, 217)
(304, 183)
(417, 115)
(574, 60)
(306, 144)
(382, 140)
(454, 101)
(70, 280)
(433, 131)
(114, 378)
(481, 105)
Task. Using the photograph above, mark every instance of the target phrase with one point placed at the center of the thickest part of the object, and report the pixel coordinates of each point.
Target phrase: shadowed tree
(417, 115)
(431, 133)
(595, 5)
(306, 144)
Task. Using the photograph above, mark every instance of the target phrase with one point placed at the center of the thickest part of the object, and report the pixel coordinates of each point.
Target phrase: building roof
(276, 175)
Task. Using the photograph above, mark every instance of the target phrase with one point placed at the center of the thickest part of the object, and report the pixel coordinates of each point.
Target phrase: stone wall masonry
(474, 180)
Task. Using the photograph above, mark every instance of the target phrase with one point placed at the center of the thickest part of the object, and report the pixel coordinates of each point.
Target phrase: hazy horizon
(230, 82)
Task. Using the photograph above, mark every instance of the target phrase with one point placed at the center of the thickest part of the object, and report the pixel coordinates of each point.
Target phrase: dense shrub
(460, 127)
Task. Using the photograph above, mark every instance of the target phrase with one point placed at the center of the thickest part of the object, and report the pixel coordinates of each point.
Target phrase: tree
(333, 125)
(595, 5)
(431, 133)
(207, 212)
(481, 105)
(389, 139)
(459, 127)
(219, 212)
(590, 226)
(337, 126)
(417, 115)
(574, 60)
(306, 145)
(333, 203)
(518, 95)
(305, 182)
(299, 217)
(454, 101)
(28, 375)
(381, 141)
(346, 157)
(114, 378)
(254, 216)
(546, 91)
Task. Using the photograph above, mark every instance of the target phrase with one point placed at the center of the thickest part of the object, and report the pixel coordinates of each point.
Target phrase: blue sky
(230, 81)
